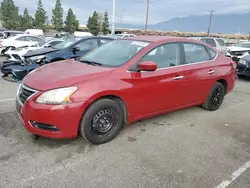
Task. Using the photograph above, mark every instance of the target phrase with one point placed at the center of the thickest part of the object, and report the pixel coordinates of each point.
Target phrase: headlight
(38, 58)
(243, 62)
(56, 96)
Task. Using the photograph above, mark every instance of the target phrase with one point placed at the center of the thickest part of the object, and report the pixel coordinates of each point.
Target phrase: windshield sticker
(143, 44)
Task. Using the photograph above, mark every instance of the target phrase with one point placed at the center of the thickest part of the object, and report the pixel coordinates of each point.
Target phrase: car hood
(39, 52)
(63, 74)
(238, 48)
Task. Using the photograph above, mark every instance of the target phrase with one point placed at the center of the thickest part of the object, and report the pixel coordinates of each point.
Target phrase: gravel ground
(191, 148)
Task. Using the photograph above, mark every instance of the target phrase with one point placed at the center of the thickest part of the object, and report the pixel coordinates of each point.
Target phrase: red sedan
(121, 82)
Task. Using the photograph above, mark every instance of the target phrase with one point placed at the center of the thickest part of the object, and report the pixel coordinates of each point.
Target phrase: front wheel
(215, 97)
(102, 121)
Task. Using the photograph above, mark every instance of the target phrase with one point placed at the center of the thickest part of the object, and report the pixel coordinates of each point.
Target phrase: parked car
(17, 54)
(37, 32)
(121, 82)
(69, 49)
(121, 36)
(217, 43)
(6, 34)
(20, 41)
(237, 52)
(243, 67)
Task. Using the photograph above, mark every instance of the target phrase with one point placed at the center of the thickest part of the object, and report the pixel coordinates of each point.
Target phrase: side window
(166, 55)
(35, 39)
(53, 43)
(1, 35)
(195, 53)
(88, 44)
(211, 53)
(221, 42)
(210, 42)
(104, 41)
(22, 39)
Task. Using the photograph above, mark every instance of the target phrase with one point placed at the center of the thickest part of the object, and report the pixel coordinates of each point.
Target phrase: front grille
(16, 56)
(24, 93)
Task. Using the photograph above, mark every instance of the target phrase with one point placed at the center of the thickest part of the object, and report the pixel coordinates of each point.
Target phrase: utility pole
(210, 20)
(146, 26)
(113, 19)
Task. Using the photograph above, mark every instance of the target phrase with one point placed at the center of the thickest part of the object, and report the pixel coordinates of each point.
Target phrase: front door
(160, 90)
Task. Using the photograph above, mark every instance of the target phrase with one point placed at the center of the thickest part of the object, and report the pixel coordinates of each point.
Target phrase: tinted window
(195, 53)
(211, 42)
(53, 43)
(35, 39)
(221, 42)
(115, 53)
(88, 44)
(22, 39)
(167, 55)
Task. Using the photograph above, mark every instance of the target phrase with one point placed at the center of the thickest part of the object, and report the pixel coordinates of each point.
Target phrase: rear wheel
(215, 97)
(102, 121)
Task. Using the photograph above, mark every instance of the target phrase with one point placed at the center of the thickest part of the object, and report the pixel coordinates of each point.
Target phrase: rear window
(221, 42)
(210, 42)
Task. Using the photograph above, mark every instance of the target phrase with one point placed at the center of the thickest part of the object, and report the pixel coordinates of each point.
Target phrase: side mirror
(75, 49)
(147, 66)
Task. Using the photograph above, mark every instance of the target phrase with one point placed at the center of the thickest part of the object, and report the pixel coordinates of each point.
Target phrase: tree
(26, 21)
(57, 17)
(40, 15)
(71, 23)
(100, 19)
(9, 14)
(105, 24)
(93, 24)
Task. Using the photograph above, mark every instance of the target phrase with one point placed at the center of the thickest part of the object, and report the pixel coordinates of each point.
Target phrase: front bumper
(62, 119)
(243, 70)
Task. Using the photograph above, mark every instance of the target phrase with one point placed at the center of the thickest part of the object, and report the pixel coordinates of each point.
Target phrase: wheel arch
(223, 82)
(115, 98)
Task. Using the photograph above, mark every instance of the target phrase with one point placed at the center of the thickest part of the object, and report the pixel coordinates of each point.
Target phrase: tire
(108, 116)
(213, 103)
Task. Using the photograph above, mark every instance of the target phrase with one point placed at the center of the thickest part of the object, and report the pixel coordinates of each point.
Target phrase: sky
(134, 11)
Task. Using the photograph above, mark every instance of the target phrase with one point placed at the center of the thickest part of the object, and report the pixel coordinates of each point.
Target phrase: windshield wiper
(91, 63)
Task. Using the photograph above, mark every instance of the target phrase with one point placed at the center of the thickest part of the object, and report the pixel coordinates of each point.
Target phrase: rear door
(200, 72)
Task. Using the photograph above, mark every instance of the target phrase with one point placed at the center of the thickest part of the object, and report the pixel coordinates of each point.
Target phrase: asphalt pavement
(190, 148)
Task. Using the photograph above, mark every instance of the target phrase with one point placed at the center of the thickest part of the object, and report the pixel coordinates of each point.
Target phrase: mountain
(227, 23)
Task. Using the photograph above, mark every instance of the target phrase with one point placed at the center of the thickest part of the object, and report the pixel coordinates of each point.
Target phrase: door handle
(178, 78)
(211, 72)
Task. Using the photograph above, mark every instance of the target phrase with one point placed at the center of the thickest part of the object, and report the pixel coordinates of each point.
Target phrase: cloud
(133, 11)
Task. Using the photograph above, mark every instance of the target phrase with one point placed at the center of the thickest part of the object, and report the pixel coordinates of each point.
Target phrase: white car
(238, 51)
(19, 41)
(17, 54)
(121, 36)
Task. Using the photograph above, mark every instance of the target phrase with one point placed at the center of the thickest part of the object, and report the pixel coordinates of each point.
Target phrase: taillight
(233, 64)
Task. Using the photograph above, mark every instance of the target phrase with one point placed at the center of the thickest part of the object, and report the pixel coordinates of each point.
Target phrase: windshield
(41, 43)
(66, 43)
(115, 53)
(244, 45)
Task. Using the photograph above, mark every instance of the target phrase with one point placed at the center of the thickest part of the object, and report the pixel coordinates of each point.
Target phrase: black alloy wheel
(215, 97)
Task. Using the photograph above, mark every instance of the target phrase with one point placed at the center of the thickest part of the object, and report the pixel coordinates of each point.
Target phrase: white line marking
(235, 175)
(12, 99)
